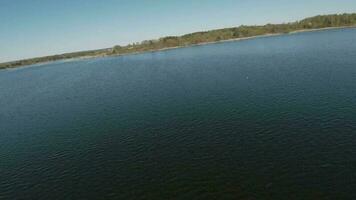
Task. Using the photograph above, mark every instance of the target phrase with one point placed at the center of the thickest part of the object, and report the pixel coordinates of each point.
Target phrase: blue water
(267, 118)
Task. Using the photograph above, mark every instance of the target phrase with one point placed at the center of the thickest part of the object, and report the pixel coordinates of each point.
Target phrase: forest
(317, 22)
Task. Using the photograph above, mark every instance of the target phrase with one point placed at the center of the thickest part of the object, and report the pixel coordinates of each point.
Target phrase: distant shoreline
(178, 47)
(244, 38)
(207, 43)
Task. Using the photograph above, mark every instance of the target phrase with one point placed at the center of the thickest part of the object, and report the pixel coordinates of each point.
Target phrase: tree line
(317, 22)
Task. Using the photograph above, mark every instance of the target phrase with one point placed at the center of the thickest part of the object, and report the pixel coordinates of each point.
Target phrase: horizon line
(180, 35)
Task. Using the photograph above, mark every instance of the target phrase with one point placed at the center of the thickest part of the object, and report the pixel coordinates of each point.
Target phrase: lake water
(267, 118)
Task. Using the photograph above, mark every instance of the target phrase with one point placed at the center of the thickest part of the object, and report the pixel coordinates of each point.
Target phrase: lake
(266, 118)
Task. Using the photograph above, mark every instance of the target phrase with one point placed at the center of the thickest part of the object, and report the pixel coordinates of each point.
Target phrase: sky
(32, 28)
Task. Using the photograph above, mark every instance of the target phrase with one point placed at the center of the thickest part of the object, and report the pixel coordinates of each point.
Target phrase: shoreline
(247, 38)
(186, 46)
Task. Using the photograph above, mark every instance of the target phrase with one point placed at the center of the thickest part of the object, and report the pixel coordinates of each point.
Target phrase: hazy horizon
(33, 29)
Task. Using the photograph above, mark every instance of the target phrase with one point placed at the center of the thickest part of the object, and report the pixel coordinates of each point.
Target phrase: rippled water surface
(268, 118)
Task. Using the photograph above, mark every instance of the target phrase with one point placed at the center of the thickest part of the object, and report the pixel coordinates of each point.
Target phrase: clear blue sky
(31, 28)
